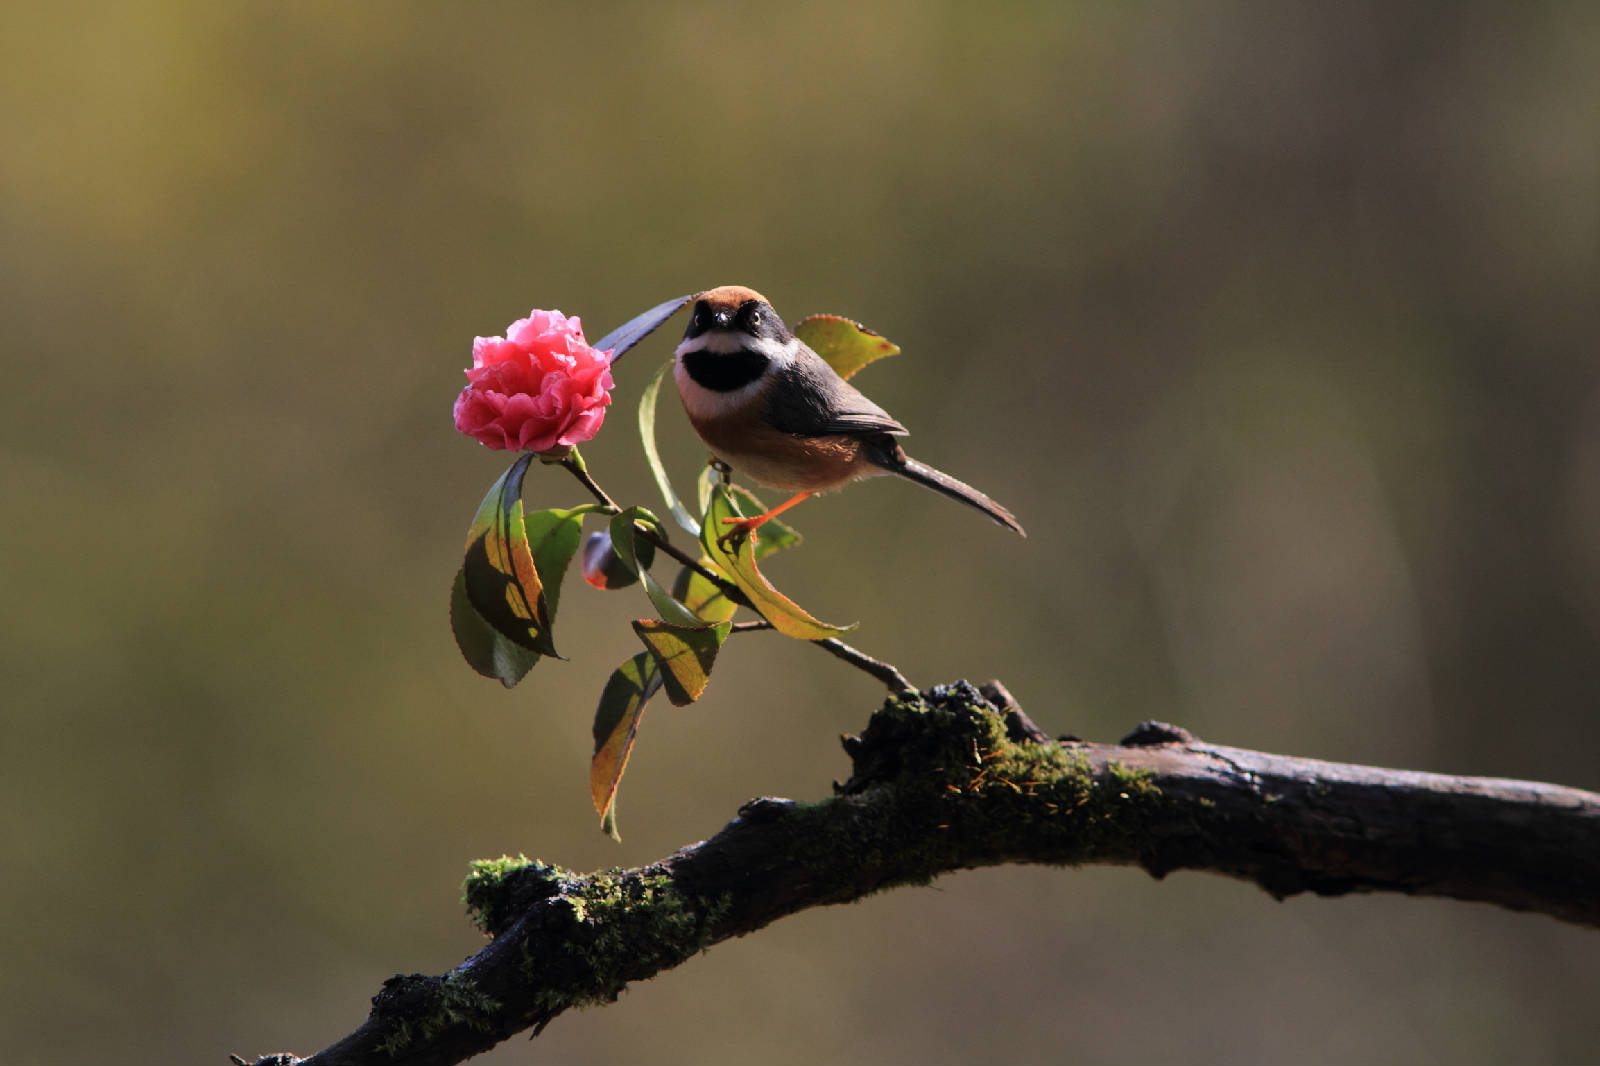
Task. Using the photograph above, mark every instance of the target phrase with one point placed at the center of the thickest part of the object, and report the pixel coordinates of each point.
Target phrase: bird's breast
(779, 460)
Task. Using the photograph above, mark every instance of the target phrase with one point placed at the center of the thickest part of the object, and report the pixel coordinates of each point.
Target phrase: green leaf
(555, 535)
(652, 455)
(704, 598)
(501, 580)
(739, 564)
(846, 346)
(616, 724)
(639, 327)
(514, 567)
(703, 486)
(622, 541)
(776, 534)
(485, 650)
(685, 655)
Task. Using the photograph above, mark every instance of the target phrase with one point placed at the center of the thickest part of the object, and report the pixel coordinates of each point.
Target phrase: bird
(766, 404)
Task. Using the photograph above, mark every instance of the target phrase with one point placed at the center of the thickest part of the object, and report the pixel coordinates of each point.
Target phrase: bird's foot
(742, 527)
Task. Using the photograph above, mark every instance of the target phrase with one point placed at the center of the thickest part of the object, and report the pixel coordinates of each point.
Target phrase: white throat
(704, 403)
(724, 342)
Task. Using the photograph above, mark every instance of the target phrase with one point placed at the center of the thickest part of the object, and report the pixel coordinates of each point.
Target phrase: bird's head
(730, 318)
(734, 344)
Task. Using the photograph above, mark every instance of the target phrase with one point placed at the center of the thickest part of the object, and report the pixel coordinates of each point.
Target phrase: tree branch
(961, 779)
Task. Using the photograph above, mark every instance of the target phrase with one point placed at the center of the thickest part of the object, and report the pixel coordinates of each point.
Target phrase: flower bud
(603, 568)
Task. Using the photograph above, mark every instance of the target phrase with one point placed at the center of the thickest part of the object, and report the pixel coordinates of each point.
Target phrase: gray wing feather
(811, 400)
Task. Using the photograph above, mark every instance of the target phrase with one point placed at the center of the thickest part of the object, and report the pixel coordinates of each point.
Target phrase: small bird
(767, 404)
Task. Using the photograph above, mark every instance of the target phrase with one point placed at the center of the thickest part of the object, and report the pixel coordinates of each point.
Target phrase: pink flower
(540, 388)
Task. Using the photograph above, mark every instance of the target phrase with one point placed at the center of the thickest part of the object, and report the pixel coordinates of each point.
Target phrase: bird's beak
(722, 319)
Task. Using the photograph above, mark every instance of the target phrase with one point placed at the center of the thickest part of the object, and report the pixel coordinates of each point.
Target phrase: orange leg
(742, 526)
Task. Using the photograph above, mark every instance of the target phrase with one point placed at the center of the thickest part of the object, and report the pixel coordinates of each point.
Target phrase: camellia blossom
(540, 388)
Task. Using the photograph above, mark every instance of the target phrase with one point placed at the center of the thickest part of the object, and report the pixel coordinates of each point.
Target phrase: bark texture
(960, 778)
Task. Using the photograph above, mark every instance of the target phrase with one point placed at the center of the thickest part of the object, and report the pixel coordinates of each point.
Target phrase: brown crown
(730, 297)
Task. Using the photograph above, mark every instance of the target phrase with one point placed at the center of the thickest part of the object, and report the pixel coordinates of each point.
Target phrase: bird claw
(742, 528)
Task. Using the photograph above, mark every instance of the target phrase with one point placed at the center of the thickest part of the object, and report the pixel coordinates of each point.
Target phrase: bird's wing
(811, 400)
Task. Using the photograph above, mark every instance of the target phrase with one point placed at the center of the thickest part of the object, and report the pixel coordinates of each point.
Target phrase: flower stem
(581, 472)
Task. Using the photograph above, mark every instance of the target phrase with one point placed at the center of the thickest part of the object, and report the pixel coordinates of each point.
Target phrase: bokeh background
(1276, 324)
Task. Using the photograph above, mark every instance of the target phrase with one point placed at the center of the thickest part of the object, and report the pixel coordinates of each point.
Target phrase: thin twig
(884, 672)
(657, 537)
(581, 472)
(862, 661)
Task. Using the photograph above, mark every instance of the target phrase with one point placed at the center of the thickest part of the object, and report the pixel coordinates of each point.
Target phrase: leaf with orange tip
(616, 724)
(504, 599)
(501, 611)
(502, 583)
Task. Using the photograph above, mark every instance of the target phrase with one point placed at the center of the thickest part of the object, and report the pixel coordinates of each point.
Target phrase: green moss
(460, 1002)
(942, 773)
(429, 1005)
(497, 891)
(1134, 781)
(619, 927)
(398, 1040)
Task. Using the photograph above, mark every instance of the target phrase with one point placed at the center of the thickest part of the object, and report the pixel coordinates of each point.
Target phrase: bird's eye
(755, 318)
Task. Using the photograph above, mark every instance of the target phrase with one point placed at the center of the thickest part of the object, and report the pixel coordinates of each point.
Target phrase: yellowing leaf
(846, 346)
(500, 579)
(708, 602)
(738, 562)
(616, 724)
(775, 534)
(685, 655)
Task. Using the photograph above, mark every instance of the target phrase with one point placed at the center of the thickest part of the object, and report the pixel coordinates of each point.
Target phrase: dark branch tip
(766, 808)
(1154, 734)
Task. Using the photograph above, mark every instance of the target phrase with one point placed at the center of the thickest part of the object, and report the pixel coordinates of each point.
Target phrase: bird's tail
(893, 458)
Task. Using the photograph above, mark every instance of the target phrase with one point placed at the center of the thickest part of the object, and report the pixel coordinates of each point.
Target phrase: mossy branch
(960, 779)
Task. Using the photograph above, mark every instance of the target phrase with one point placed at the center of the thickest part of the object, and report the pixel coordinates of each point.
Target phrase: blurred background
(1275, 324)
